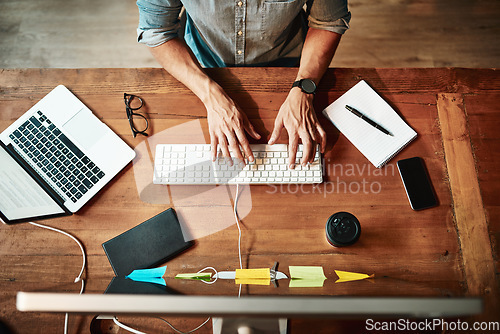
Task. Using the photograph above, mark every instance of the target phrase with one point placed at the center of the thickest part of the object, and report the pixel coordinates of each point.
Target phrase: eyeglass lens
(134, 102)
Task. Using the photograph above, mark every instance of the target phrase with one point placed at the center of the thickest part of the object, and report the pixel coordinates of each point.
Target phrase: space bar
(71, 146)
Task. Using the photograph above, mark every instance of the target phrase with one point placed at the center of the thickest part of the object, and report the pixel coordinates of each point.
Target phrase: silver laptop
(55, 158)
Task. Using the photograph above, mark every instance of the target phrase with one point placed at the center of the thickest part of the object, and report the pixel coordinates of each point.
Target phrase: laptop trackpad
(85, 128)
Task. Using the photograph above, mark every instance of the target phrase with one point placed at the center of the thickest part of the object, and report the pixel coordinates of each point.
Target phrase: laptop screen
(21, 197)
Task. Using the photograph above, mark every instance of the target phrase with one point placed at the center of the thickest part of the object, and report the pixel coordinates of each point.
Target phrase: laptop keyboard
(57, 159)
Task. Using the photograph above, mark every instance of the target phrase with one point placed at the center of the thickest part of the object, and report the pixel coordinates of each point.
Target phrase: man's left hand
(298, 117)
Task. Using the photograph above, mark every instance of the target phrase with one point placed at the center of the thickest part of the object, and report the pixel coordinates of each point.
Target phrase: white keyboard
(192, 164)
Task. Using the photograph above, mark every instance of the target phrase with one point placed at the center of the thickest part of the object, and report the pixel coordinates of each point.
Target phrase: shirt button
(240, 33)
(240, 3)
(240, 52)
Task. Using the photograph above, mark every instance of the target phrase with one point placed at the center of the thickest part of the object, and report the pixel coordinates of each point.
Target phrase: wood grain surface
(424, 253)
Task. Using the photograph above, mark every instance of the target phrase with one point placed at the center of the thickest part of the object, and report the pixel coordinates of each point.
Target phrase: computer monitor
(232, 312)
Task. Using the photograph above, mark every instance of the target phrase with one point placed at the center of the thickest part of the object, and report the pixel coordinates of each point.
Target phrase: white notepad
(375, 145)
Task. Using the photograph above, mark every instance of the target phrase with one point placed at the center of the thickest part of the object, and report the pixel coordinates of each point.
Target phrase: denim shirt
(241, 32)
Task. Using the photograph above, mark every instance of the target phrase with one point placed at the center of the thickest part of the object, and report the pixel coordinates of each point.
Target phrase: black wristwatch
(306, 85)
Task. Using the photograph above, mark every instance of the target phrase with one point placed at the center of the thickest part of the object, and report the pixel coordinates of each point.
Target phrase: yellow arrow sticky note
(253, 281)
(346, 276)
(306, 276)
(253, 276)
(263, 273)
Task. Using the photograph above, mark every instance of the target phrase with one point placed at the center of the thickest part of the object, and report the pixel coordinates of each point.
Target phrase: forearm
(178, 60)
(317, 53)
(227, 125)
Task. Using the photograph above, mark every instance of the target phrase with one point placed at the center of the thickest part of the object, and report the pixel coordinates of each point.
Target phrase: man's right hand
(227, 126)
(227, 123)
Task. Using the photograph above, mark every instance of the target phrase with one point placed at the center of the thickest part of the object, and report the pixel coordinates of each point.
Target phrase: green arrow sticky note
(306, 276)
(201, 276)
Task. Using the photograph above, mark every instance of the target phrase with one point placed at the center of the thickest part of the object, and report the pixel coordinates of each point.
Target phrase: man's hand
(227, 125)
(298, 117)
(297, 114)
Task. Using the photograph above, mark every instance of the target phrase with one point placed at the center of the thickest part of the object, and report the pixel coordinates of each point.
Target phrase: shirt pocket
(278, 16)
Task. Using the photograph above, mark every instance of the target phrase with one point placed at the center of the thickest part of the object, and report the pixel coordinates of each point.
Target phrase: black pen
(367, 120)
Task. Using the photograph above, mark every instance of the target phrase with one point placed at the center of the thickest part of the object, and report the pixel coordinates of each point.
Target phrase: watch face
(308, 86)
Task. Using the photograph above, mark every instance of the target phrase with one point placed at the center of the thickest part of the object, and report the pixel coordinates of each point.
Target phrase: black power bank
(147, 245)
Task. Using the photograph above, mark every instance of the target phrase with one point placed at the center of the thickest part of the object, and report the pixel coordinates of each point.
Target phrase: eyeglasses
(138, 123)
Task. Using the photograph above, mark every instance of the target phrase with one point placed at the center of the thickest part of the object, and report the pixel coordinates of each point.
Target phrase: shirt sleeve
(158, 21)
(331, 15)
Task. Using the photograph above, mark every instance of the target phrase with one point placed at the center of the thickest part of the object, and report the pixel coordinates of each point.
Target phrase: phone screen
(417, 183)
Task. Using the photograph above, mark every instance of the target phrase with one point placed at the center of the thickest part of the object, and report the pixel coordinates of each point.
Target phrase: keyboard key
(178, 148)
(71, 146)
(35, 121)
(82, 189)
(87, 183)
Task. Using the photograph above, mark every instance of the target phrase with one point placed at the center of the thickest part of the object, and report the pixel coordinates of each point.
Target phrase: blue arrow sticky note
(149, 275)
(155, 280)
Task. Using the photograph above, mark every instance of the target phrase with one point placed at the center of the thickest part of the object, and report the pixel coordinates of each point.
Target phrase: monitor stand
(249, 325)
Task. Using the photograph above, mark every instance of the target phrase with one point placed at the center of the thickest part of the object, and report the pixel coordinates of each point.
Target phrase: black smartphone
(417, 183)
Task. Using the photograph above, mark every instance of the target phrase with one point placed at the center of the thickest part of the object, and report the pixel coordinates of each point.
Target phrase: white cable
(191, 331)
(125, 327)
(216, 275)
(79, 277)
(235, 210)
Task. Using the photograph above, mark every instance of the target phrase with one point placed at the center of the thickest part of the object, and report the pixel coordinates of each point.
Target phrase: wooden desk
(451, 250)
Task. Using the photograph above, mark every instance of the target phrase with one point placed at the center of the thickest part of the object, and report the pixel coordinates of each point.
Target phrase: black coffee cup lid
(342, 229)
